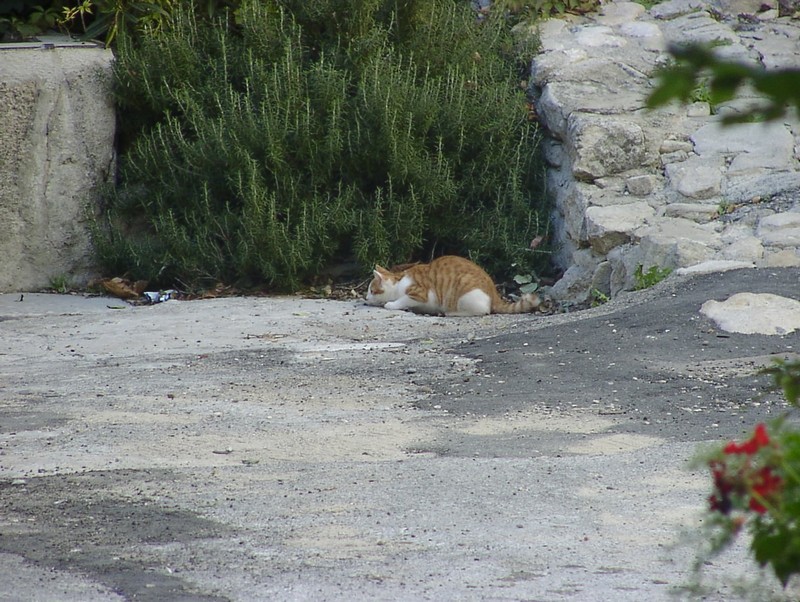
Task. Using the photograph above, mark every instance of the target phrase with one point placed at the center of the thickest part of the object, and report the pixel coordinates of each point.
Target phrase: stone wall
(670, 187)
(57, 126)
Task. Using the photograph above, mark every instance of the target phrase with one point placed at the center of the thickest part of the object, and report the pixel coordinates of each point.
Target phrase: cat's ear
(380, 273)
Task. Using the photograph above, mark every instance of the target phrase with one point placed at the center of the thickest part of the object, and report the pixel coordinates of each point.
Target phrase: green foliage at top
(259, 151)
(533, 10)
(95, 19)
(21, 19)
(696, 67)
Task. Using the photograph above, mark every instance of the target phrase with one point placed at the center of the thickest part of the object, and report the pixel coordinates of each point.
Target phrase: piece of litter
(158, 296)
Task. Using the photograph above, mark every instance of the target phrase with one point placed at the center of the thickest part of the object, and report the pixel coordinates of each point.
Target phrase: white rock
(714, 265)
(739, 188)
(754, 313)
(778, 158)
(676, 242)
(780, 230)
(756, 138)
(641, 185)
(596, 36)
(603, 145)
(697, 212)
(697, 177)
(609, 227)
(574, 284)
(698, 109)
(675, 8)
(552, 34)
(601, 279)
(619, 13)
(672, 146)
(786, 258)
(736, 232)
(674, 157)
(641, 29)
(701, 28)
(744, 249)
(737, 7)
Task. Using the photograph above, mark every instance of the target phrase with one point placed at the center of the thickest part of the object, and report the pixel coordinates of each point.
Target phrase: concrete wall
(57, 126)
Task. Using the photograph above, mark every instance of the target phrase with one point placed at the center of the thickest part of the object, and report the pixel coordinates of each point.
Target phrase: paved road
(289, 449)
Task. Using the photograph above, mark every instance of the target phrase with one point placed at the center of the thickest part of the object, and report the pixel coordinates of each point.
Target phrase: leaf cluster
(697, 67)
(654, 275)
(95, 19)
(22, 19)
(260, 147)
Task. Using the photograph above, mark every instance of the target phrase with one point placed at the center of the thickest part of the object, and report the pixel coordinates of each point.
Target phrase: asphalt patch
(657, 367)
(77, 523)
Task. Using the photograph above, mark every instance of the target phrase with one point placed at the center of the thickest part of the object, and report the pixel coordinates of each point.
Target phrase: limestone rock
(671, 146)
(780, 230)
(676, 242)
(674, 157)
(676, 8)
(609, 227)
(649, 34)
(751, 313)
(697, 177)
(598, 36)
(698, 109)
(601, 279)
(620, 13)
(641, 185)
(601, 146)
(713, 266)
(700, 28)
(786, 258)
(697, 212)
(755, 138)
(749, 249)
(560, 100)
(741, 188)
(573, 285)
(738, 7)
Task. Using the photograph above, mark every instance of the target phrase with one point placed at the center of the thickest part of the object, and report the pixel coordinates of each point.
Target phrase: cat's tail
(526, 303)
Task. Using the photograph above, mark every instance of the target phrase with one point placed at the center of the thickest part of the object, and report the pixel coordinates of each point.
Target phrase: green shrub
(260, 150)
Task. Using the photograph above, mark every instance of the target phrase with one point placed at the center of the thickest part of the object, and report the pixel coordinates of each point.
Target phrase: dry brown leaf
(124, 289)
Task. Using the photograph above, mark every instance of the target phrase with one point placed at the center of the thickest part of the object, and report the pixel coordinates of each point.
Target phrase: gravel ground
(295, 449)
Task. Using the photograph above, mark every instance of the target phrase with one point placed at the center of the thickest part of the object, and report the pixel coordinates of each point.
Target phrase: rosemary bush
(259, 149)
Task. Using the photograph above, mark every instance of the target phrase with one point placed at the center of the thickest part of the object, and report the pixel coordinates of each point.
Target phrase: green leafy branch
(697, 66)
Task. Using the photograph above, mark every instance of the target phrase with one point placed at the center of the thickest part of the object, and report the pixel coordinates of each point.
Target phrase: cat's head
(383, 287)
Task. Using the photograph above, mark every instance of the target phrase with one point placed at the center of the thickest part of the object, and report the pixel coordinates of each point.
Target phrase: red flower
(764, 485)
(757, 441)
(721, 500)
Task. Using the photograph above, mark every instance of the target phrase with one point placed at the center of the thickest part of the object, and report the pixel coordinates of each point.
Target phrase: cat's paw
(394, 305)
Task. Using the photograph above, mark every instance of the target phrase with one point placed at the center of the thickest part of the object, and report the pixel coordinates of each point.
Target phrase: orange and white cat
(448, 285)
